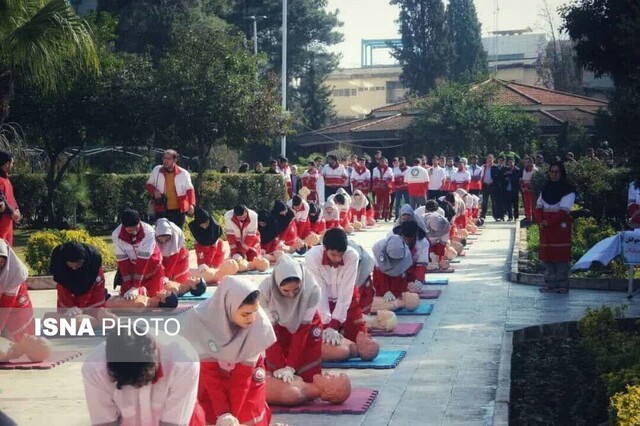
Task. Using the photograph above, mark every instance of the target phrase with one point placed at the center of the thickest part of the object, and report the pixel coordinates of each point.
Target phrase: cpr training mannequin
(383, 320)
(211, 275)
(37, 349)
(231, 332)
(290, 296)
(365, 347)
(334, 389)
(408, 300)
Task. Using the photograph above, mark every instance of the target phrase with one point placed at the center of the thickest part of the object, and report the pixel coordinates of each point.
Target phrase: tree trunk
(51, 182)
(203, 164)
(6, 85)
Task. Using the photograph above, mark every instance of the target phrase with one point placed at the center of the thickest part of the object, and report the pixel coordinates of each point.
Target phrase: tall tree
(314, 96)
(468, 58)
(557, 66)
(424, 52)
(606, 34)
(42, 42)
(211, 96)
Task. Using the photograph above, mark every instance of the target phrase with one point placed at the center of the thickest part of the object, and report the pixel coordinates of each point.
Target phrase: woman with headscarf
(268, 228)
(392, 259)
(16, 310)
(283, 215)
(231, 332)
(291, 296)
(554, 224)
(301, 210)
(77, 271)
(316, 217)
(175, 256)
(209, 246)
(331, 214)
(359, 203)
(412, 228)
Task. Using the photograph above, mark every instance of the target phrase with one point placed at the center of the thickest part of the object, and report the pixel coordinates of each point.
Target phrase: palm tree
(41, 42)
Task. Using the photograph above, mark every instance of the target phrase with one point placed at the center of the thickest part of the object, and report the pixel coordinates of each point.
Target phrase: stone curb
(515, 276)
(503, 392)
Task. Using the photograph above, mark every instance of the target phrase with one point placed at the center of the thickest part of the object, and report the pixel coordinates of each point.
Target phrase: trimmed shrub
(626, 406)
(41, 244)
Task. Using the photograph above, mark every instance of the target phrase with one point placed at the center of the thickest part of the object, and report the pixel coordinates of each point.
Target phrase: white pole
(283, 144)
(255, 35)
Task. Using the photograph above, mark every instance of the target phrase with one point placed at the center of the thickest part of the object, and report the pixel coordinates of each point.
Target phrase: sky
(370, 19)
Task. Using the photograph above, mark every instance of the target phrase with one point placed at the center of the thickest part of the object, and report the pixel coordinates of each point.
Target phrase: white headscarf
(289, 312)
(392, 256)
(334, 215)
(210, 328)
(406, 209)
(14, 273)
(173, 246)
(359, 203)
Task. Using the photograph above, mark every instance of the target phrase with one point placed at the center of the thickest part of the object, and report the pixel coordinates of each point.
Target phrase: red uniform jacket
(94, 298)
(212, 256)
(301, 350)
(319, 226)
(184, 188)
(241, 392)
(310, 180)
(243, 237)
(555, 238)
(357, 182)
(16, 314)
(176, 266)
(6, 223)
(382, 180)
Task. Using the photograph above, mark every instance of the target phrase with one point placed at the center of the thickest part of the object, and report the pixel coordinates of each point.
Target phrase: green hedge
(97, 198)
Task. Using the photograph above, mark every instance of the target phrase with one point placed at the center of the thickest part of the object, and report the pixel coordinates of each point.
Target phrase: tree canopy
(464, 33)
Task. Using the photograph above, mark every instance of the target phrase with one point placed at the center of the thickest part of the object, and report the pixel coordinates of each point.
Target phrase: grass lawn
(21, 236)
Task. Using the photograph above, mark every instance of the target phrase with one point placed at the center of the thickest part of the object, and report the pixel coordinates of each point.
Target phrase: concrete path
(449, 376)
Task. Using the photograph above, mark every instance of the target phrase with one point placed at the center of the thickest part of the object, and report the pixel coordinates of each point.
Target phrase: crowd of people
(254, 345)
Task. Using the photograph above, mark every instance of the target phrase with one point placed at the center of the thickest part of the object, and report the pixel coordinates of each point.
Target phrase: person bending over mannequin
(209, 246)
(392, 261)
(16, 310)
(175, 256)
(36, 349)
(414, 231)
(291, 296)
(231, 332)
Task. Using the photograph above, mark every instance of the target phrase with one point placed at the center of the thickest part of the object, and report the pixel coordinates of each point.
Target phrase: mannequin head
(260, 263)
(411, 300)
(304, 192)
(228, 267)
(386, 320)
(334, 389)
(357, 225)
(368, 348)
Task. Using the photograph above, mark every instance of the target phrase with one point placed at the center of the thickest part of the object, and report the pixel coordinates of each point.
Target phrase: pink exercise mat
(430, 294)
(403, 329)
(56, 358)
(358, 403)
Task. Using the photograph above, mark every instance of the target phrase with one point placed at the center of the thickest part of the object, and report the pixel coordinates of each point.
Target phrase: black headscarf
(552, 192)
(282, 221)
(81, 280)
(205, 236)
(314, 212)
(269, 232)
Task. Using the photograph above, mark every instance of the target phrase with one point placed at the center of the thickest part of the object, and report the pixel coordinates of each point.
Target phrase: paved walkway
(449, 376)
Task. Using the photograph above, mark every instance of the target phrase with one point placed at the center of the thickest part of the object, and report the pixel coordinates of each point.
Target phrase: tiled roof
(542, 96)
(396, 122)
(400, 106)
(545, 119)
(576, 116)
(345, 127)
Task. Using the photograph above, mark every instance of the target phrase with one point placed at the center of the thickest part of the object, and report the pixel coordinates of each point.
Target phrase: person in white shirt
(400, 184)
(143, 380)
(475, 171)
(335, 176)
(417, 183)
(461, 177)
(436, 179)
(335, 267)
(361, 177)
(525, 185)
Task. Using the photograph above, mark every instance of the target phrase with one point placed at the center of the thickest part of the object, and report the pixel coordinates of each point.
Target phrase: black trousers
(175, 216)
(433, 194)
(330, 190)
(510, 201)
(489, 193)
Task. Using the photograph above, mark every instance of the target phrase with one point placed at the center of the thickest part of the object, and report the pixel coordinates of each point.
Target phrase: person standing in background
(9, 211)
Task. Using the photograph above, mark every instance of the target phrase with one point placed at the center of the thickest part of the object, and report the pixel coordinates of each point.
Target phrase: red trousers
(212, 256)
(367, 293)
(382, 204)
(527, 198)
(304, 229)
(6, 228)
(301, 350)
(383, 283)
(355, 322)
(176, 267)
(439, 249)
(16, 315)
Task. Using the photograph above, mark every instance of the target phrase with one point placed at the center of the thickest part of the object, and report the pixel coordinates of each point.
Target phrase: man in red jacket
(9, 212)
(171, 189)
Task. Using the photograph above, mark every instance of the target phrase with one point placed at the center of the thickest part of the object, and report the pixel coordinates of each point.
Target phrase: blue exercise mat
(188, 297)
(437, 281)
(423, 309)
(385, 360)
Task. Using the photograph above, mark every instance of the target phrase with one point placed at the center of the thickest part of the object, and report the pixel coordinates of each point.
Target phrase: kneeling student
(290, 296)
